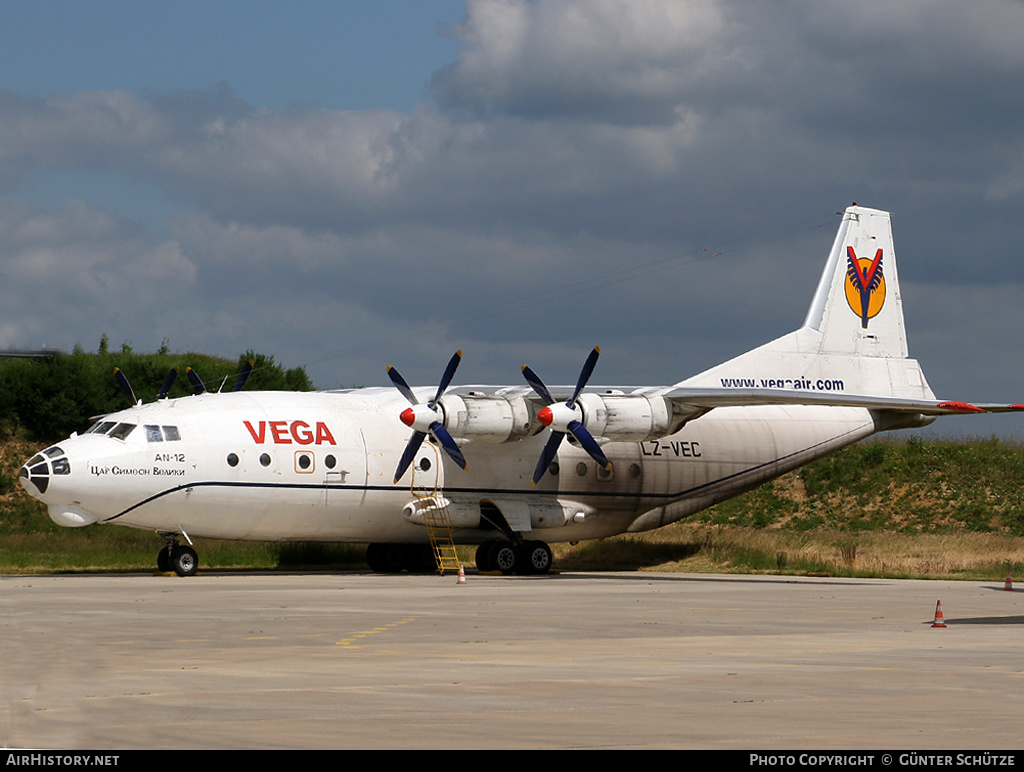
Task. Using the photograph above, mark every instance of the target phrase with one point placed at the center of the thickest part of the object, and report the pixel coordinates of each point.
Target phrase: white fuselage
(320, 466)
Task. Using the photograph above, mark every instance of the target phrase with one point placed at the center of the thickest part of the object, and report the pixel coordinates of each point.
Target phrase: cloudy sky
(346, 185)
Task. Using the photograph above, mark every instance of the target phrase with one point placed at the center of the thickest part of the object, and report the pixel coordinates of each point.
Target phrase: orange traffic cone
(1008, 585)
(462, 575)
(938, 615)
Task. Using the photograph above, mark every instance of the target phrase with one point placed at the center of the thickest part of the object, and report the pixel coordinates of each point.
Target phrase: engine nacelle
(610, 417)
(628, 417)
(490, 419)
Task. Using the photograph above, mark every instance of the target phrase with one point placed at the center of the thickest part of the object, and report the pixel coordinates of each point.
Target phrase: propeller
(168, 382)
(564, 418)
(198, 387)
(126, 387)
(426, 418)
(122, 381)
(243, 376)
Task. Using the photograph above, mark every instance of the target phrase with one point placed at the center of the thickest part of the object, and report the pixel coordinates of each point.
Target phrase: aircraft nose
(35, 475)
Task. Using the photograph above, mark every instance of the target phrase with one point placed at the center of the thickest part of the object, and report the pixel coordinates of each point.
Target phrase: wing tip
(961, 407)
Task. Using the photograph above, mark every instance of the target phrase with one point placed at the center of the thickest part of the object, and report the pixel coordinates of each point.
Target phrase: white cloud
(580, 158)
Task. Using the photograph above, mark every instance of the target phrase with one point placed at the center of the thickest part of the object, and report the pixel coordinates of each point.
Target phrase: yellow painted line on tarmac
(359, 635)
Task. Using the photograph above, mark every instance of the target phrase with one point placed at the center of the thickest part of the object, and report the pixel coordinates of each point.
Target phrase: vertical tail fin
(853, 339)
(857, 307)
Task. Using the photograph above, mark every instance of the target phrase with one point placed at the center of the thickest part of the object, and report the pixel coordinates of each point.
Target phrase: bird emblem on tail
(865, 285)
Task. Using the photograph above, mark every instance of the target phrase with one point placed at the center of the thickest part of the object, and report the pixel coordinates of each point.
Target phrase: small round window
(232, 459)
(265, 459)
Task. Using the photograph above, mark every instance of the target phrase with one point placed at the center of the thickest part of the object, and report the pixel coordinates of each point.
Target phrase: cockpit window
(102, 427)
(161, 433)
(121, 431)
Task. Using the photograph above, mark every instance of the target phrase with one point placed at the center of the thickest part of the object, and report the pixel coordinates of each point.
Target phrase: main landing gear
(179, 558)
(527, 557)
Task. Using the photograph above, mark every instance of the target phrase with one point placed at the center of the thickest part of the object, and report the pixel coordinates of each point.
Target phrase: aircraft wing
(703, 399)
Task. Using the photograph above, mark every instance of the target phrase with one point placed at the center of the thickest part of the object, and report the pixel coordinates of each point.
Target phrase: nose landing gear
(179, 558)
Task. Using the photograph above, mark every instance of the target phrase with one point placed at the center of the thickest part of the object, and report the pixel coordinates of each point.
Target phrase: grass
(942, 509)
(709, 548)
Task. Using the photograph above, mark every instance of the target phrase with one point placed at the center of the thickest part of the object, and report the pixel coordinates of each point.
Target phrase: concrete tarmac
(574, 660)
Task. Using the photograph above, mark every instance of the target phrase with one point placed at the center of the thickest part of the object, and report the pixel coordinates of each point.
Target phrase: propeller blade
(547, 455)
(537, 385)
(441, 435)
(122, 381)
(197, 383)
(449, 373)
(410, 452)
(243, 376)
(585, 373)
(168, 382)
(401, 385)
(589, 444)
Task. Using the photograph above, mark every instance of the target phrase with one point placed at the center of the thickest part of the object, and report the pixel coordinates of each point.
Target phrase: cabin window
(153, 434)
(303, 462)
(232, 459)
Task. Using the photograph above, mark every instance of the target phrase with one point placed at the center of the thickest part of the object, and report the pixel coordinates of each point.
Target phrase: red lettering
(323, 434)
(301, 433)
(284, 434)
(279, 429)
(261, 436)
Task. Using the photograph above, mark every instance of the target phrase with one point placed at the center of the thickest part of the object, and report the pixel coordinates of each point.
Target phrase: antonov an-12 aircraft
(513, 468)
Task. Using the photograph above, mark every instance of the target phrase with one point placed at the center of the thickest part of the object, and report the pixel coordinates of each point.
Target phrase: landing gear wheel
(505, 557)
(536, 557)
(184, 561)
(420, 559)
(483, 557)
(163, 561)
(386, 558)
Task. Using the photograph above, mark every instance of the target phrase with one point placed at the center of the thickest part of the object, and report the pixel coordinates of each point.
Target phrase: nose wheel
(179, 558)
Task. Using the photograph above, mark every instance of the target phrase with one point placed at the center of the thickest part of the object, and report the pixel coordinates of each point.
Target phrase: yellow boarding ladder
(436, 515)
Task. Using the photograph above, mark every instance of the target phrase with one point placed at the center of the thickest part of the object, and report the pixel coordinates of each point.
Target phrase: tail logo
(865, 285)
